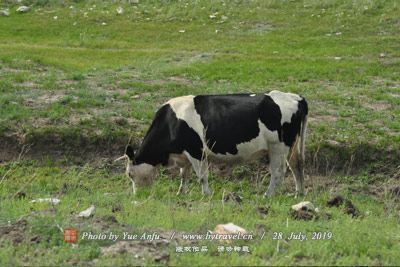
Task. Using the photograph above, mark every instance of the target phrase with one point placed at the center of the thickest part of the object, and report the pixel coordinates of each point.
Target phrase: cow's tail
(304, 109)
(303, 138)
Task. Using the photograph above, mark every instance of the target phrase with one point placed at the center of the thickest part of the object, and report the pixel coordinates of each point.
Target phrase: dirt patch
(16, 232)
(156, 250)
(180, 80)
(395, 191)
(395, 94)
(99, 223)
(305, 215)
(378, 106)
(45, 99)
(322, 118)
(96, 151)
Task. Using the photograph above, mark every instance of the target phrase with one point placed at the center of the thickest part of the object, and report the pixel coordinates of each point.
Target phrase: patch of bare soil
(20, 231)
(322, 118)
(16, 232)
(180, 80)
(99, 223)
(98, 152)
(44, 99)
(306, 215)
(378, 106)
(156, 250)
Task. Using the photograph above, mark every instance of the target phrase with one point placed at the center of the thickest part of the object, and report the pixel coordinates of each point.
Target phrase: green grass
(75, 73)
(159, 209)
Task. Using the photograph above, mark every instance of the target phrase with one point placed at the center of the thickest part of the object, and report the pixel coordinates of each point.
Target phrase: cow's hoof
(181, 192)
(207, 192)
(269, 194)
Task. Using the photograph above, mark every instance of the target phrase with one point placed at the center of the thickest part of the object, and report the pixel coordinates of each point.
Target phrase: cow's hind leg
(200, 167)
(296, 165)
(133, 187)
(277, 159)
(185, 175)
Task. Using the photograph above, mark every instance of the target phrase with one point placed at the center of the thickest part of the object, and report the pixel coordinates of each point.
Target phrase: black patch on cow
(292, 129)
(270, 114)
(168, 134)
(130, 152)
(233, 119)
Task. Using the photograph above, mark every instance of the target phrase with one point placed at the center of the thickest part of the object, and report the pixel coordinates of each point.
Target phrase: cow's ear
(130, 152)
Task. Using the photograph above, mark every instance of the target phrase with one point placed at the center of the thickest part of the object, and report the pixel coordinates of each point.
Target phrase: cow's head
(142, 174)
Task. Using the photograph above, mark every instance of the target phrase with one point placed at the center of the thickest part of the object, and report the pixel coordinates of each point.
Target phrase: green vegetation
(76, 77)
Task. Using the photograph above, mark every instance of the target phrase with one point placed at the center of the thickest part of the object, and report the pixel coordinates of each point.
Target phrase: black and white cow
(193, 131)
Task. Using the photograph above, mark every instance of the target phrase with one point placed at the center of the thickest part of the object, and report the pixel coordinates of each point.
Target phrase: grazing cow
(193, 131)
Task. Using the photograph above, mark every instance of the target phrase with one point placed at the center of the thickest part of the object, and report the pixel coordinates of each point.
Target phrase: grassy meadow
(78, 81)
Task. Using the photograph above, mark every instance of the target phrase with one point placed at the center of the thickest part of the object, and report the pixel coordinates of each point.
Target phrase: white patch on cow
(287, 102)
(277, 164)
(200, 167)
(184, 109)
(253, 95)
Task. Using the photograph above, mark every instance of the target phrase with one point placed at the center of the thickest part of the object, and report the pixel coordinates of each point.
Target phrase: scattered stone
(116, 208)
(4, 13)
(20, 195)
(263, 210)
(36, 239)
(336, 201)
(382, 55)
(184, 204)
(23, 9)
(87, 212)
(232, 196)
(304, 211)
(350, 209)
(120, 10)
(305, 205)
(229, 228)
(303, 215)
(53, 201)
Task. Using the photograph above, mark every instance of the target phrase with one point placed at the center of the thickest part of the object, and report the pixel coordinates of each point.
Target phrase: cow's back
(226, 121)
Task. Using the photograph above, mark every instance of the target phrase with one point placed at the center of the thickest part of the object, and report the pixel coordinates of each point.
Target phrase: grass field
(77, 81)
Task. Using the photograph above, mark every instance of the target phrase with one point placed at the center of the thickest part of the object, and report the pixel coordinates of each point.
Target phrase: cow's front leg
(200, 167)
(185, 174)
(277, 158)
(204, 184)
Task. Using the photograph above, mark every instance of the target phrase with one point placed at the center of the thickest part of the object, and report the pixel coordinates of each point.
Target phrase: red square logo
(70, 235)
